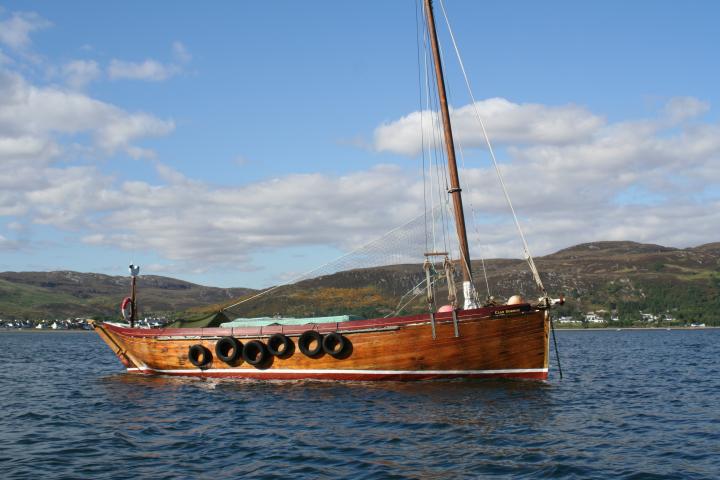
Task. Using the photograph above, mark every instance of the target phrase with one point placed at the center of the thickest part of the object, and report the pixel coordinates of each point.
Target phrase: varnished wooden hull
(492, 342)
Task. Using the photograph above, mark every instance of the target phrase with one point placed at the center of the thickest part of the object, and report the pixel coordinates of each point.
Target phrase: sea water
(632, 404)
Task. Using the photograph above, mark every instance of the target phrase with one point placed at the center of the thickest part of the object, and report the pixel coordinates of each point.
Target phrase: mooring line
(557, 352)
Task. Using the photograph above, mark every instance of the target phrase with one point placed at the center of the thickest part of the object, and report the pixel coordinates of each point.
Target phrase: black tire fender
(280, 345)
(229, 350)
(306, 339)
(199, 355)
(335, 344)
(255, 353)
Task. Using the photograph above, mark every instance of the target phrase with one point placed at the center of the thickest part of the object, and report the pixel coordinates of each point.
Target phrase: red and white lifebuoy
(126, 308)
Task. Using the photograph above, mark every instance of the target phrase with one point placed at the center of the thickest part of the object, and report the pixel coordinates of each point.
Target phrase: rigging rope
(468, 189)
(528, 256)
(401, 245)
(557, 351)
(399, 308)
(475, 224)
(432, 140)
(438, 160)
(422, 128)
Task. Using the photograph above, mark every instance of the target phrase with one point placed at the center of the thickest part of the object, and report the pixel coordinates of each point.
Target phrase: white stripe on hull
(298, 371)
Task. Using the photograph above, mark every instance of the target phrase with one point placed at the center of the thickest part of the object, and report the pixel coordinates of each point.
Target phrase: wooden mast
(450, 147)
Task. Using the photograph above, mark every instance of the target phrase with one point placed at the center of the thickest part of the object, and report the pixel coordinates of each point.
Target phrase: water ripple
(632, 405)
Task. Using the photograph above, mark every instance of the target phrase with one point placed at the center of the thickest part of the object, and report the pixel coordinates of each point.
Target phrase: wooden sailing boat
(490, 341)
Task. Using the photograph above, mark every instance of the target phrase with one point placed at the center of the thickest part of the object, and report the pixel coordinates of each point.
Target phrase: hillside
(34, 295)
(627, 277)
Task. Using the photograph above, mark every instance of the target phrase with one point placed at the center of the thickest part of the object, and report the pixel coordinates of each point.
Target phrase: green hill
(627, 277)
(35, 295)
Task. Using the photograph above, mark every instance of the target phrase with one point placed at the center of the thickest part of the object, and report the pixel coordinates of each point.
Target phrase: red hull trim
(349, 326)
(269, 375)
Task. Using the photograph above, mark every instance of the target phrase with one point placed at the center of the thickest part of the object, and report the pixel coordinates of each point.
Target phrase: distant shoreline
(614, 329)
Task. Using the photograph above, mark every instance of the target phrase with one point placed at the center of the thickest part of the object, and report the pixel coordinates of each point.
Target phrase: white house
(592, 317)
(649, 317)
(566, 320)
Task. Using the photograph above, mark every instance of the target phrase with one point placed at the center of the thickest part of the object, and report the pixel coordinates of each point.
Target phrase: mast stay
(526, 248)
(454, 190)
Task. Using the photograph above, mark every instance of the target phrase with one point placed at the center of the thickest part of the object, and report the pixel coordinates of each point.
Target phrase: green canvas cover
(264, 321)
(203, 320)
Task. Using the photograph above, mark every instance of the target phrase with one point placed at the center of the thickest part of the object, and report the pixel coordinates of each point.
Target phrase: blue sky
(235, 143)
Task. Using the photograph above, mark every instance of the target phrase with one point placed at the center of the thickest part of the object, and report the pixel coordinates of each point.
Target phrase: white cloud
(566, 188)
(70, 196)
(27, 111)
(576, 188)
(506, 122)
(78, 73)
(150, 70)
(195, 221)
(682, 108)
(16, 227)
(15, 31)
(40, 182)
(180, 52)
(7, 244)
(121, 128)
(26, 147)
(170, 175)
